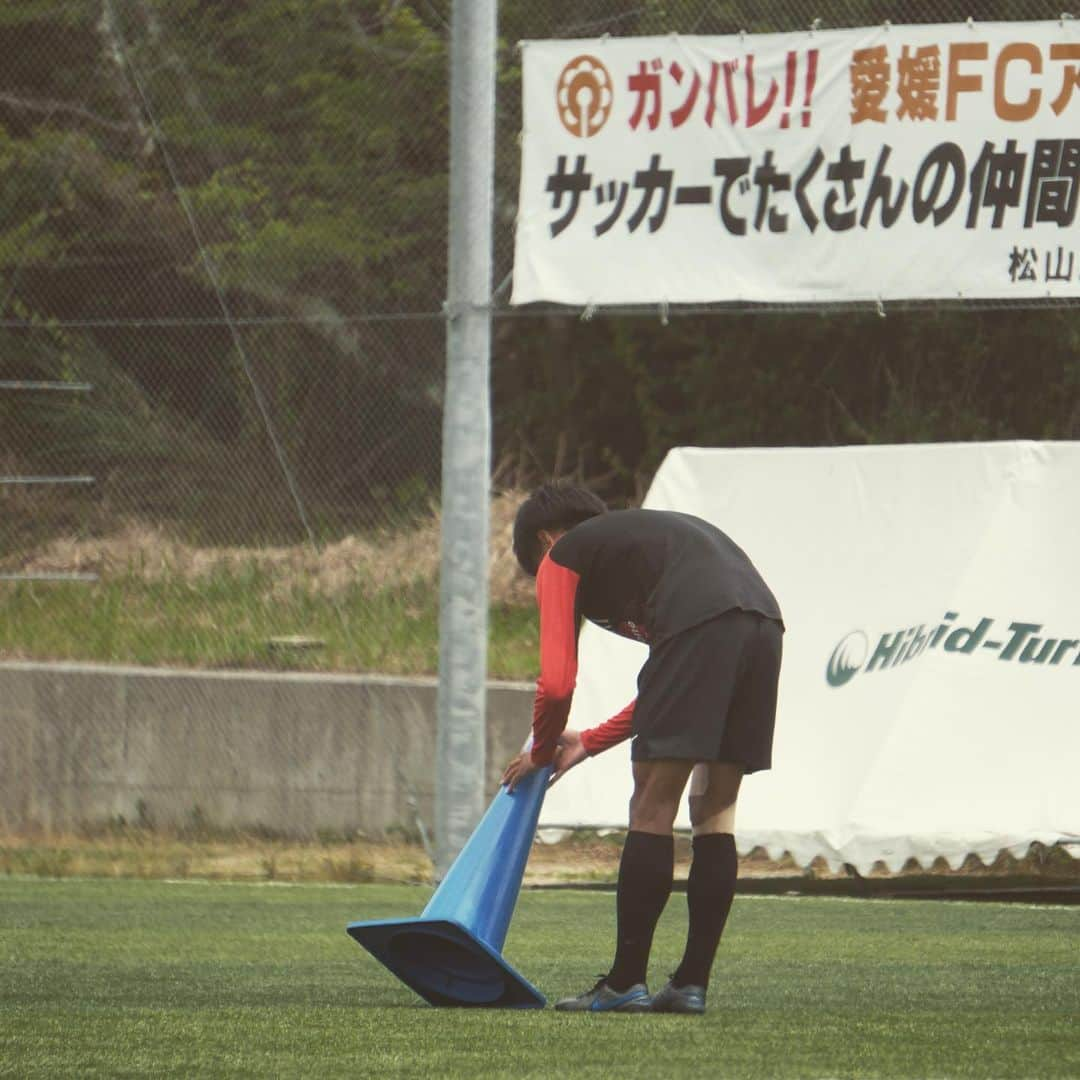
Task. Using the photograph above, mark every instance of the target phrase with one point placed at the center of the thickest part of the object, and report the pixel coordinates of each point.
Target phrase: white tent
(930, 694)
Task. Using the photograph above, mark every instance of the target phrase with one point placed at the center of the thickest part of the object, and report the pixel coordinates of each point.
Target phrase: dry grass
(586, 856)
(131, 852)
(381, 560)
(136, 853)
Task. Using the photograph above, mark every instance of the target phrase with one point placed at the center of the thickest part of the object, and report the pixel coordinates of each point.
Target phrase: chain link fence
(222, 275)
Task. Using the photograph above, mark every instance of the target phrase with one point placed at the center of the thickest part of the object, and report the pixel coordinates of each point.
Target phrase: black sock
(709, 892)
(645, 874)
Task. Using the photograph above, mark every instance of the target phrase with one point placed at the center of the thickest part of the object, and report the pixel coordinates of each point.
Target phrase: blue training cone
(452, 954)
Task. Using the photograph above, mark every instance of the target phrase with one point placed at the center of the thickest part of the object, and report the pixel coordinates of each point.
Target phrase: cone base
(446, 964)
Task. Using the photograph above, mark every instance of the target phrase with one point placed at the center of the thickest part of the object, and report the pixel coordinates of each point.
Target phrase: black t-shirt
(650, 574)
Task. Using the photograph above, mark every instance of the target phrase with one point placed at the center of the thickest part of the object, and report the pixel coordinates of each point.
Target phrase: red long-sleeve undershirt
(611, 732)
(556, 593)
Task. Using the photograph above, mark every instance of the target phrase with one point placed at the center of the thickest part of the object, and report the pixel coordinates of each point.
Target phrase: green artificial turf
(113, 978)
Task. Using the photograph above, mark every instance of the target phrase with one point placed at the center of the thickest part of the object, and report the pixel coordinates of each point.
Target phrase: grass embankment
(363, 603)
(141, 978)
(228, 619)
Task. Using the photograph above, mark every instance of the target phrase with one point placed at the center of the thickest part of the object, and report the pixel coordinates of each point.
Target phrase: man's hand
(518, 769)
(569, 754)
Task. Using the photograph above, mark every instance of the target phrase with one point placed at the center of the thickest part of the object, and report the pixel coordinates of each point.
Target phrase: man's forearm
(610, 733)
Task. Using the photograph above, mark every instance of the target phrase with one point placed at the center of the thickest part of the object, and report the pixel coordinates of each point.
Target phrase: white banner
(931, 676)
(872, 164)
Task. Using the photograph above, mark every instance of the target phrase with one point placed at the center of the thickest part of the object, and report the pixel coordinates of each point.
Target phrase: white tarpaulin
(930, 692)
(880, 163)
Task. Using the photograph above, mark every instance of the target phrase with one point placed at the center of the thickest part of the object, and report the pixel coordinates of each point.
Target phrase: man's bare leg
(658, 787)
(714, 789)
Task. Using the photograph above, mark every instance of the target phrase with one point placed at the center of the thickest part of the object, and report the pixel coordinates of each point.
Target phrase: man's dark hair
(554, 507)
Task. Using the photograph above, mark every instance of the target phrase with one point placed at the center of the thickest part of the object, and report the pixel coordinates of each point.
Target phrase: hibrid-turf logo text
(1023, 642)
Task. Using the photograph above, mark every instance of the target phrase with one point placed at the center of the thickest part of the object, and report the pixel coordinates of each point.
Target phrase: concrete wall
(295, 753)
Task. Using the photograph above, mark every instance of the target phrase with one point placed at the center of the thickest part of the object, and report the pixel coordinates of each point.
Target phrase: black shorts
(709, 693)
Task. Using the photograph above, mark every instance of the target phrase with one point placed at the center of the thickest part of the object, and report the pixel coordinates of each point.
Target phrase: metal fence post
(459, 783)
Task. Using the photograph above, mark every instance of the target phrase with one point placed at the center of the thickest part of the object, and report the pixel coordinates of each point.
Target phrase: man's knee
(653, 808)
(652, 817)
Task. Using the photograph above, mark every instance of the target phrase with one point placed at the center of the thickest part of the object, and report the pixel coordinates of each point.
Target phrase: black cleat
(601, 998)
(679, 999)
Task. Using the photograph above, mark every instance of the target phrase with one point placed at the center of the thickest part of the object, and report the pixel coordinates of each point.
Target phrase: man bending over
(705, 707)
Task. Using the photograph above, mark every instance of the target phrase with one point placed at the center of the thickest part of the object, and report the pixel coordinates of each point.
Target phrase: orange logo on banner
(584, 96)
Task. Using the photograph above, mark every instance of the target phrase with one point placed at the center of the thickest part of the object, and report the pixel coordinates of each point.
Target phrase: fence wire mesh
(222, 275)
